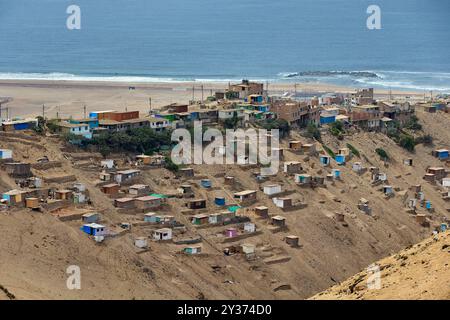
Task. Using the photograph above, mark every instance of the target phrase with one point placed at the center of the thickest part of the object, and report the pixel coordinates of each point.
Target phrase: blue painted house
(340, 159)
(92, 122)
(442, 154)
(94, 229)
(326, 119)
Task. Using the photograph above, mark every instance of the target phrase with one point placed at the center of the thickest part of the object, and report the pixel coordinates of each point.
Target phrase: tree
(280, 124)
(312, 131)
(407, 142)
(426, 140)
(231, 123)
(413, 124)
(170, 165)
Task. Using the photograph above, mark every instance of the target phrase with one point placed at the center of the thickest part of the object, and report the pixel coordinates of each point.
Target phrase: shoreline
(67, 98)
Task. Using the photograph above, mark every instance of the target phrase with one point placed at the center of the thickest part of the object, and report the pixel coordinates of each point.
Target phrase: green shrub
(354, 150)
(280, 124)
(407, 142)
(382, 153)
(413, 124)
(329, 151)
(169, 165)
(312, 131)
(426, 140)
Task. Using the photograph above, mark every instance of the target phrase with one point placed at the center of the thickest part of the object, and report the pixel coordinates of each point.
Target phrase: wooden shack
(147, 202)
(110, 189)
(124, 203)
(196, 204)
(291, 240)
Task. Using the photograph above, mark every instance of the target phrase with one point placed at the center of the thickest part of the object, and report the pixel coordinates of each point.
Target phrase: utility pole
(295, 88)
(84, 107)
(43, 111)
(193, 92)
(202, 92)
(150, 105)
(431, 94)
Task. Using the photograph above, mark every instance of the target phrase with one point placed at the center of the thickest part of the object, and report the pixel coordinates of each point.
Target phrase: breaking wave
(400, 80)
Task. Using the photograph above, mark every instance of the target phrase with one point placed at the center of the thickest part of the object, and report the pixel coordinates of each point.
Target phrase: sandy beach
(67, 98)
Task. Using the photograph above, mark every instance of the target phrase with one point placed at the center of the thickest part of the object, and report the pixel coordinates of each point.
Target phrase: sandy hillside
(36, 248)
(419, 272)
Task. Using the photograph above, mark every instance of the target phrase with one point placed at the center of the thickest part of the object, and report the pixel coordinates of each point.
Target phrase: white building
(6, 154)
(141, 242)
(162, 234)
(272, 189)
(159, 124)
(249, 227)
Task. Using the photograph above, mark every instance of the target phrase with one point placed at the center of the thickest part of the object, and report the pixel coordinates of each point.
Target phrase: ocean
(211, 40)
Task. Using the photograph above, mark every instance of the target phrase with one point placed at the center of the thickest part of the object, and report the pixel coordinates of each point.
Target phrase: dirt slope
(37, 248)
(419, 272)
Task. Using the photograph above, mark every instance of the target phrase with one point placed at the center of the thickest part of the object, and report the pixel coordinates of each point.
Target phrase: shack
(279, 221)
(124, 175)
(229, 181)
(141, 242)
(185, 189)
(104, 176)
(272, 189)
(388, 190)
(94, 229)
(162, 234)
(18, 169)
(408, 162)
(200, 219)
(245, 196)
(147, 202)
(196, 204)
(357, 167)
(249, 227)
(292, 167)
(292, 240)
(124, 203)
(186, 172)
(230, 232)
(195, 249)
(336, 173)
(32, 203)
(90, 217)
(63, 194)
(438, 172)
(283, 203)
(261, 211)
(325, 160)
(340, 159)
(295, 145)
(441, 154)
(309, 148)
(139, 189)
(14, 197)
(6, 154)
(363, 205)
(303, 179)
(110, 189)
